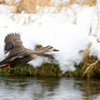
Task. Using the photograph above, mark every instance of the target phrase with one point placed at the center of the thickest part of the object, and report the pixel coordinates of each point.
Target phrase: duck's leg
(6, 67)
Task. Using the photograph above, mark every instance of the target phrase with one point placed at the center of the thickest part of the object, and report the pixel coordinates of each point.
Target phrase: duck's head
(50, 49)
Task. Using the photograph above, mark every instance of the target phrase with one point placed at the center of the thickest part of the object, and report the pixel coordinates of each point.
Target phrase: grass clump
(76, 73)
(45, 69)
(90, 67)
(22, 70)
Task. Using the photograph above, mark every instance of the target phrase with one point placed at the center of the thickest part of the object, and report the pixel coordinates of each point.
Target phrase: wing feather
(12, 41)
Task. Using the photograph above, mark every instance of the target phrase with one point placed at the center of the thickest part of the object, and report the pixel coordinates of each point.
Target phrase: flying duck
(18, 54)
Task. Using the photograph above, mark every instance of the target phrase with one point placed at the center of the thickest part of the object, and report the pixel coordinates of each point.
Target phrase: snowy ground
(67, 31)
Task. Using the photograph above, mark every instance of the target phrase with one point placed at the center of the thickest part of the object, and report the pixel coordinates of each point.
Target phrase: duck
(18, 54)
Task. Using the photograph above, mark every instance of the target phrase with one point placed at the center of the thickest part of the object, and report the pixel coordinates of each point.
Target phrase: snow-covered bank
(69, 34)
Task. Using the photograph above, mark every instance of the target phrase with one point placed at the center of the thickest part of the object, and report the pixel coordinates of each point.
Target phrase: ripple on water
(35, 88)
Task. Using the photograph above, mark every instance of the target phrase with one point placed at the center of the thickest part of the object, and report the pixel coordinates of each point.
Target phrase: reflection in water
(35, 88)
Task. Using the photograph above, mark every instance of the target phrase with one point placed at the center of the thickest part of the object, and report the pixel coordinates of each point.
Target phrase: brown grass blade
(91, 66)
(87, 52)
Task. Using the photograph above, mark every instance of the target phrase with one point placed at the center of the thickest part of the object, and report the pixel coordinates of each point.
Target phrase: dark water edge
(52, 88)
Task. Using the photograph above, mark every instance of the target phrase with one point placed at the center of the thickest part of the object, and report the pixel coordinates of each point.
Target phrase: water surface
(35, 88)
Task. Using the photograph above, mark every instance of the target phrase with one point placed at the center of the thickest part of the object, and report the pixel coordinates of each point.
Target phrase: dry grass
(2, 1)
(90, 66)
(82, 2)
(86, 54)
(30, 6)
(89, 2)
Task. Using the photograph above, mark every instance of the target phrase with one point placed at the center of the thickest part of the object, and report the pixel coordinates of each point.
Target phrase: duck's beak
(56, 50)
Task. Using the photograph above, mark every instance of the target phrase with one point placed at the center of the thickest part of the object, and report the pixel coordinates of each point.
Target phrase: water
(35, 88)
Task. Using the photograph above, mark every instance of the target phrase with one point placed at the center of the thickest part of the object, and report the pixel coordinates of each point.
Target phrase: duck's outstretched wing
(7, 61)
(12, 41)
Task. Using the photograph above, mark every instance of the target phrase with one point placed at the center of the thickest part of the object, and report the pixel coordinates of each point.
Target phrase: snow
(67, 31)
